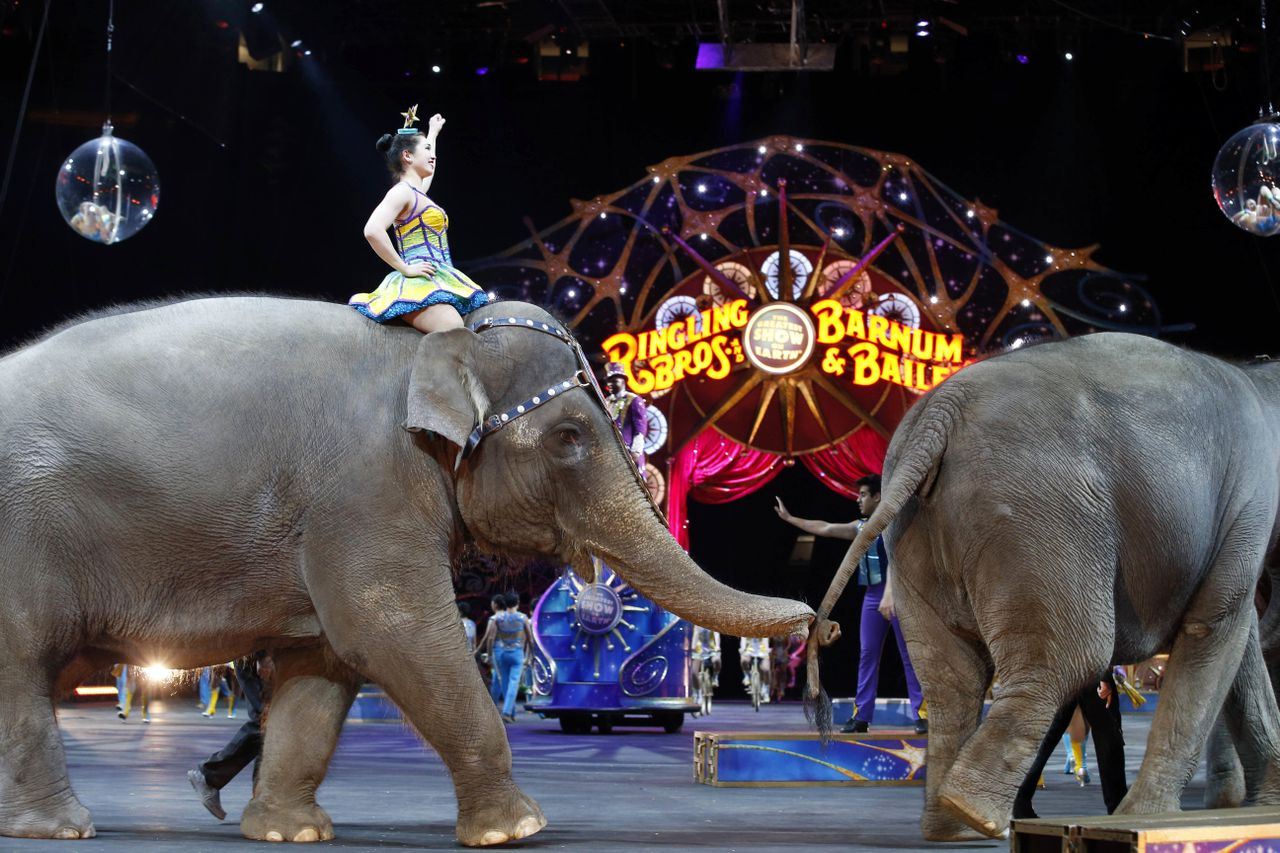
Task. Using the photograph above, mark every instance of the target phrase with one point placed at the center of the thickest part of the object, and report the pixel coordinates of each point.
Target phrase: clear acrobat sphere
(1246, 178)
(108, 189)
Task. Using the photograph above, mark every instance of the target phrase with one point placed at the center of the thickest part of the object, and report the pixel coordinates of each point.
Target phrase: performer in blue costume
(423, 287)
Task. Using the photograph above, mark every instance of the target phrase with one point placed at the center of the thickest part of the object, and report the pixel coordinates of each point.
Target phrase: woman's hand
(418, 269)
(435, 123)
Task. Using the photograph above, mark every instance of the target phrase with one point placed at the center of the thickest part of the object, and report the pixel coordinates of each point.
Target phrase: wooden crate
(1248, 830)
(800, 759)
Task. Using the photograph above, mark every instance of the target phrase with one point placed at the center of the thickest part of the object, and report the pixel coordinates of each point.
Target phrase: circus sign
(885, 350)
(779, 338)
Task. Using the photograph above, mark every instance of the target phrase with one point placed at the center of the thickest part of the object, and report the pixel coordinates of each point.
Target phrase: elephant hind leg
(1217, 647)
(313, 692)
(36, 800)
(1224, 775)
(954, 672)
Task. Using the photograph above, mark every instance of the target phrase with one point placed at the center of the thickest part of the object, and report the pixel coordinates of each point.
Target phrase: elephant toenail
(67, 832)
(528, 826)
(274, 836)
(327, 834)
(308, 834)
(494, 837)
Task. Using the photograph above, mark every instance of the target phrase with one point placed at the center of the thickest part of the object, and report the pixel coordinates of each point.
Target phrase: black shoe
(854, 727)
(922, 727)
(209, 795)
(1023, 811)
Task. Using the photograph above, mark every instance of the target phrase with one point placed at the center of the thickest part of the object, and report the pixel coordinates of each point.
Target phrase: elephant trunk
(643, 551)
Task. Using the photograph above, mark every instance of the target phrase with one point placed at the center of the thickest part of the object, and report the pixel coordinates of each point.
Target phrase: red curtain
(841, 466)
(714, 470)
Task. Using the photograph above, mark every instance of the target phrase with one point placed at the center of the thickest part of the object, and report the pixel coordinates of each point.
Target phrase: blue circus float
(605, 656)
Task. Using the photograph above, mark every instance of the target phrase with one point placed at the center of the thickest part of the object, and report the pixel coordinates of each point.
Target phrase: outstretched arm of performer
(434, 124)
(397, 200)
(818, 528)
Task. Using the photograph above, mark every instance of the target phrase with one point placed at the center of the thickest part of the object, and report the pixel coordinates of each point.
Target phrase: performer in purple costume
(873, 573)
(629, 411)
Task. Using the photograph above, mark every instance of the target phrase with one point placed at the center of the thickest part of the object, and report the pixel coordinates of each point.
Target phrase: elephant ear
(445, 392)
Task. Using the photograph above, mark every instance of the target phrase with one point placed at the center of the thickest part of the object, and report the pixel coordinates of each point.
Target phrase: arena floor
(628, 791)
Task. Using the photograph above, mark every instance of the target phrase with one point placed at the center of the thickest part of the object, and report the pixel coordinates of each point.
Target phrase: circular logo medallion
(599, 609)
(779, 338)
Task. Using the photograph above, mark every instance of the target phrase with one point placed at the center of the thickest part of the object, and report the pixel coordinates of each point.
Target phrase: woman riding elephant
(204, 479)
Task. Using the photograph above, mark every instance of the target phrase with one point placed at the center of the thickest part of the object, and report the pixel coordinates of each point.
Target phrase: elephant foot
(937, 824)
(1224, 792)
(500, 819)
(266, 822)
(1136, 802)
(975, 814)
(63, 817)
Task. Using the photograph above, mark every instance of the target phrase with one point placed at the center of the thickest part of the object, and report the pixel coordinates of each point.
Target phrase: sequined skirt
(397, 295)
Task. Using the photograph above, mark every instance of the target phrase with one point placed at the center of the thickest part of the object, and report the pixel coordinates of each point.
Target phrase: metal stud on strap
(495, 422)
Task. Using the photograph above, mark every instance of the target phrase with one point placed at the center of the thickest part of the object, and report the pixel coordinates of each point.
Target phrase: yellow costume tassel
(1135, 697)
(924, 709)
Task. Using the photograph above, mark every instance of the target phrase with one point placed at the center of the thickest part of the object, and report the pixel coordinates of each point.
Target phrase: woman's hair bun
(384, 142)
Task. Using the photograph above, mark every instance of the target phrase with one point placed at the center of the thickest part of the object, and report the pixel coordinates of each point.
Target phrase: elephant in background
(1057, 509)
(192, 482)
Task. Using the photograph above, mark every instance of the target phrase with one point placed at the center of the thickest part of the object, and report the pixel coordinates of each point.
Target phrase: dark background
(267, 178)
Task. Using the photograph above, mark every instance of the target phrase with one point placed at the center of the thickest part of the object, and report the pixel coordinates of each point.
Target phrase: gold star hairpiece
(411, 117)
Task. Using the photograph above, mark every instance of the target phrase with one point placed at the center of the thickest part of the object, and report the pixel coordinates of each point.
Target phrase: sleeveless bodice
(423, 234)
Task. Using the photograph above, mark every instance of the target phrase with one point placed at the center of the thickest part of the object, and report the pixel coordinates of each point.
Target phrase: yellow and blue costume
(422, 236)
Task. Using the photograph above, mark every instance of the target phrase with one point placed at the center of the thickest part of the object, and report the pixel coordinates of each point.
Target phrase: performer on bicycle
(754, 651)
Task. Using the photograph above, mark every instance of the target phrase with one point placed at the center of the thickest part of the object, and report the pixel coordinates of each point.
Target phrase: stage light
(256, 8)
(1026, 303)
(799, 146)
(307, 52)
(657, 180)
(764, 192)
(923, 22)
(572, 293)
(839, 232)
(702, 236)
(1068, 56)
(1023, 59)
(1048, 259)
(435, 69)
(902, 196)
(762, 149)
(922, 33)
(933, 300)
(296, 43)
(482, 70)
(702, 188)
(1123, 308)
(604, 215)
(969, 214)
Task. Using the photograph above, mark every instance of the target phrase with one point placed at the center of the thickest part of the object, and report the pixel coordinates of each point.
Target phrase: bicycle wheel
(755, 684)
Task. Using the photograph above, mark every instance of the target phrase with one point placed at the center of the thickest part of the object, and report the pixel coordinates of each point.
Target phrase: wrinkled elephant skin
(1060, 508)
(191, 482)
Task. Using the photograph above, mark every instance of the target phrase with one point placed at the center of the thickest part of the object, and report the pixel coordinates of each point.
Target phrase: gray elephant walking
(1061, 508)
(193, 482)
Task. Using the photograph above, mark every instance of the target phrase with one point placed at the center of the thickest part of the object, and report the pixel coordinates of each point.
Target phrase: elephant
(1059, 508)
(189, 482)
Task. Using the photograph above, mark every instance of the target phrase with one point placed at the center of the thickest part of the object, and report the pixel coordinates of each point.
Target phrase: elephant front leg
(36, 800)
(1251, 716)
(405, 635)
(313, 692)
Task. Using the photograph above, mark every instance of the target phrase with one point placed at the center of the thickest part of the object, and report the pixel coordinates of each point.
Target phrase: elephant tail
(911, 466)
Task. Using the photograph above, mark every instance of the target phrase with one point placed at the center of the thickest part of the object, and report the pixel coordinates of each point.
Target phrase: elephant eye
(570, 436)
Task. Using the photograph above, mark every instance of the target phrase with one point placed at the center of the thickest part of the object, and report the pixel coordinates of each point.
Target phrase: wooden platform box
(1251, 830)
(795, 759)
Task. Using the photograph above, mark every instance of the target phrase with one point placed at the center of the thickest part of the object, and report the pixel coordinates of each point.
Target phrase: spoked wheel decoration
(669, 273)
